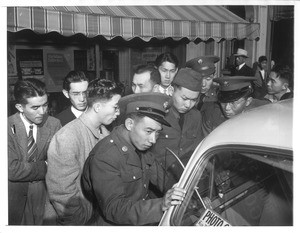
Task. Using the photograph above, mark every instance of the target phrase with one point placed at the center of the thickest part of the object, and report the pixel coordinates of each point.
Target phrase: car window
(233, 187)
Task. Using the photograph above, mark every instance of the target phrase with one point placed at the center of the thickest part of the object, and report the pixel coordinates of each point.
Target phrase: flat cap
(188, 78)
(205, 65)
(154, 105)
(233, 87)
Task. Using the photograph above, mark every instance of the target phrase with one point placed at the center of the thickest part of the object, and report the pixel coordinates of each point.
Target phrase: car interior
(242, 189)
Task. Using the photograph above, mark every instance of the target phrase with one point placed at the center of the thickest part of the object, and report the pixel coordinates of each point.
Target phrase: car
(241, 174)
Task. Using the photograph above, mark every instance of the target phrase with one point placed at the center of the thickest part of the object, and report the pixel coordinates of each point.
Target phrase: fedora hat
(241, 52)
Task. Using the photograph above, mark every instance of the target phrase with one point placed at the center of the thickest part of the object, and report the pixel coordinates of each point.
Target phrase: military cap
(154, 105)
(233, 88)
(205, 65)
(188, 78)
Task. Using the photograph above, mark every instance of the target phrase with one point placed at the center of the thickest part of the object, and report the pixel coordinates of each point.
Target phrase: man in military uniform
(234, 97)
(185, 132)
(118, 171)
(205, 65)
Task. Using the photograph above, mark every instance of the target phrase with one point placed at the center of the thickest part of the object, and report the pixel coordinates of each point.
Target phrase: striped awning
(145, 22)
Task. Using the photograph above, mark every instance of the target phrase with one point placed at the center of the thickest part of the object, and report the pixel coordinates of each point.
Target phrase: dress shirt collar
(241, 66)
(168, 91)
(27, 124)
(76, 112)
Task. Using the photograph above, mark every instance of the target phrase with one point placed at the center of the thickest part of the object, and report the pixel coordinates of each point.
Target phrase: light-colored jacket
(67, 153)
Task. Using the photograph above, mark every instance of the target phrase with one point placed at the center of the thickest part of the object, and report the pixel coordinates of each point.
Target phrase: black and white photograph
(137, 113)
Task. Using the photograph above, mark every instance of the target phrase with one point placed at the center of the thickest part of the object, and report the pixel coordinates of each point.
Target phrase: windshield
(238, 188)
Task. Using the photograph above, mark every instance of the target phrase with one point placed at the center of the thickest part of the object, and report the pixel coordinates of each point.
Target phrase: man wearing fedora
(242, 69)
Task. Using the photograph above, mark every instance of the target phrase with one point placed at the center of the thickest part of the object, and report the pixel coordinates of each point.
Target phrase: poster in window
(30, 62)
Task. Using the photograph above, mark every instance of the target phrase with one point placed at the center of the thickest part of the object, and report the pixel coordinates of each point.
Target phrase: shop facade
(108, 41)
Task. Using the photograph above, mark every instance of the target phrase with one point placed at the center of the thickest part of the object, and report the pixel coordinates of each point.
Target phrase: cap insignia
(225, 83)
(166, 105)
(200, 61)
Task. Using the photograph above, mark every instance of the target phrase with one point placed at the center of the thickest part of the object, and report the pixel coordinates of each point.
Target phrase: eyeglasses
(235, 103)
(77, 94)
(117, 108)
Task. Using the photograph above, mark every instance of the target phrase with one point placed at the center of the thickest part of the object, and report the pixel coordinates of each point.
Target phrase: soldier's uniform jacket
(213, 115)
(207, 98)
(180, 141)
(119, 177)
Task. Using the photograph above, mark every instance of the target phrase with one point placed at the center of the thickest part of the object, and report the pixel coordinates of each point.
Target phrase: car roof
(270, 126)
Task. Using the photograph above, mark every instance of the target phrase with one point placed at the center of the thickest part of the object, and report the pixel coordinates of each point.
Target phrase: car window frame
(178, 211)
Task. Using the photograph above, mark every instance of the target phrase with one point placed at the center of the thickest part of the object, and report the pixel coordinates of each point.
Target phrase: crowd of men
(111, 160)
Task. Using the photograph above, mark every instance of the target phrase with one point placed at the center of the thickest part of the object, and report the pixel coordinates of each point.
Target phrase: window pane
(242, 190)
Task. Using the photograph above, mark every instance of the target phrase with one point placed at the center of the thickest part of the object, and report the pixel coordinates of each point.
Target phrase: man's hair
(284, 72)
(262, 58)
(28, 88)
(169, 57)
(74, 77)
(154, 73)
(102, 90)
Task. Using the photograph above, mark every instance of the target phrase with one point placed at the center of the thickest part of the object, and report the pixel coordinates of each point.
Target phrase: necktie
(31, 146)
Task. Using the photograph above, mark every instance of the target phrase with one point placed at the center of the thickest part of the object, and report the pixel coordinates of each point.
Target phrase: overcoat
(118, 176)
(66, 116)
(180, 141)
(244, 71)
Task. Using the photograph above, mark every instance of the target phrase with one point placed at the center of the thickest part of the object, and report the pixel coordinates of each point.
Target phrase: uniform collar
(119, 137)
(175, 112)
(169, 90)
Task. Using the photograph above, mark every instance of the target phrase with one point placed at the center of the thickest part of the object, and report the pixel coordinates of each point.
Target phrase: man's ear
(66, 93)
(248, 101)
(19, 107)
(155, 88)
(129, 124)
(285, 86)
(97, 107)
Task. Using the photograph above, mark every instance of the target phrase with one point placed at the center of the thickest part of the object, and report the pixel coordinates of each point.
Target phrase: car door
(237, 185)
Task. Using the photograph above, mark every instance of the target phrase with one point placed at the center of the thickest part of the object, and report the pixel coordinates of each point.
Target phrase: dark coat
(213, 116)
(180, 141)
(260, 85)
(117, 177)
(21, 172)
(66, 116)
(244, 71)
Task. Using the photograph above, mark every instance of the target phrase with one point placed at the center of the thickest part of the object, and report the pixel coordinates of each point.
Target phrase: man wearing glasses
(234, 97)
(74, 88)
